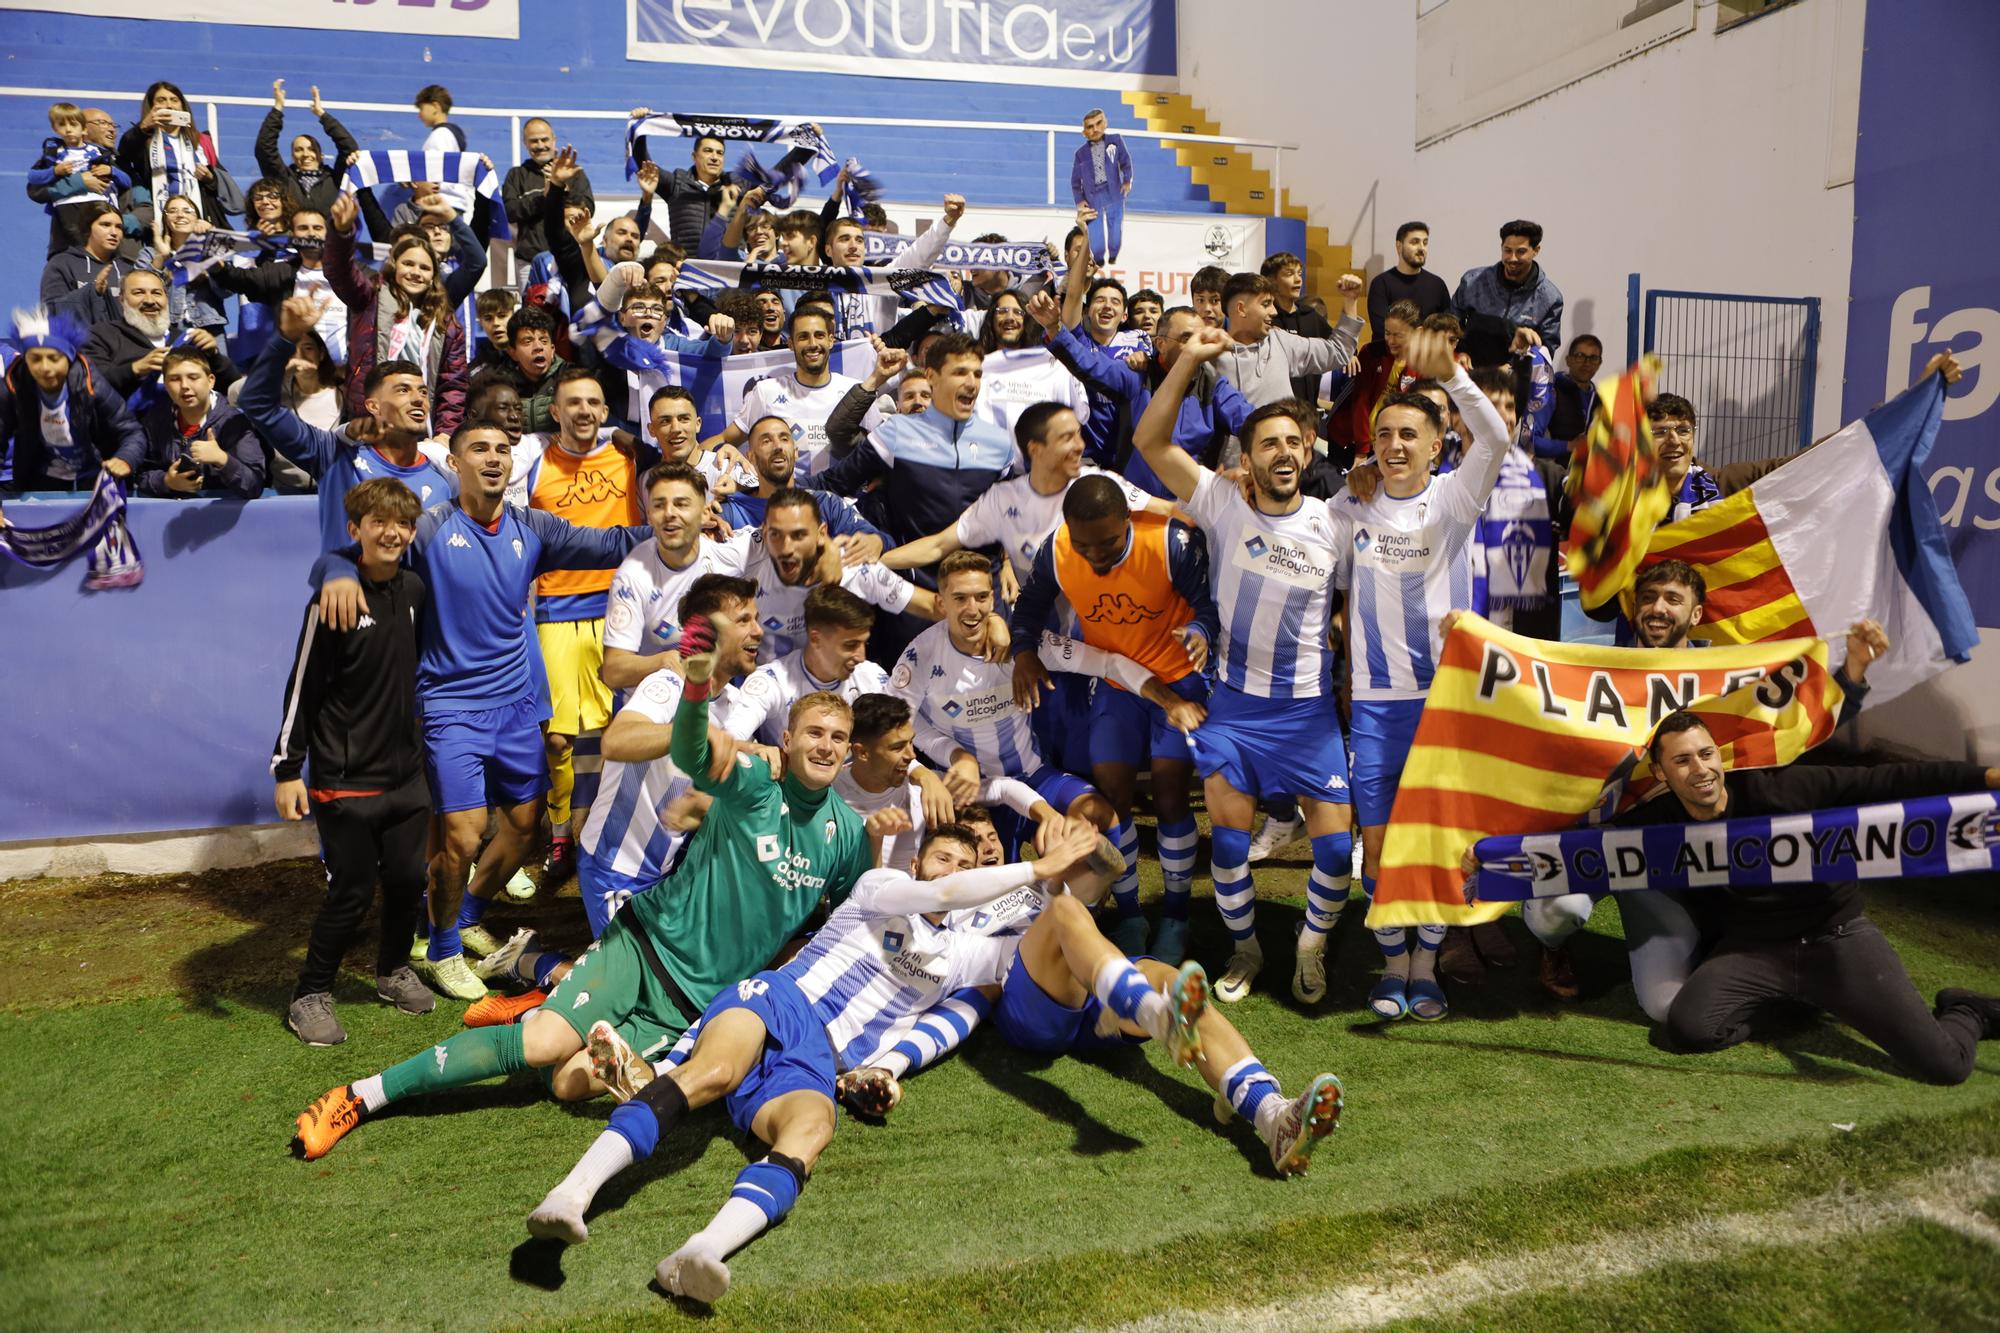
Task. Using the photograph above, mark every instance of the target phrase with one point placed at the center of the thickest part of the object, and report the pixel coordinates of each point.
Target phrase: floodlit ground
(1519, 1165)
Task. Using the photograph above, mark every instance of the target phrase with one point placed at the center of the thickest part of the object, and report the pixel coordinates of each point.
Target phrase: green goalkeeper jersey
(752, 873)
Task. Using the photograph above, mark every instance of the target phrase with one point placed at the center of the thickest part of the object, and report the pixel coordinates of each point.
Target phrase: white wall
(1702, 163)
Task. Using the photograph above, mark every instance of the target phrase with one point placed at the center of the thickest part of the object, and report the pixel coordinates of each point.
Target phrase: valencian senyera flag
(1521, 735)
(1846, 531)
(1616, 485)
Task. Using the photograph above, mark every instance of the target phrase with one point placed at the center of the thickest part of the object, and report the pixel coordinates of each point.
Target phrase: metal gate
(1747, 363)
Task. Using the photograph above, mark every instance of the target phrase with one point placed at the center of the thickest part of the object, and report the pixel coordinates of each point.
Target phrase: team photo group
(835, 624)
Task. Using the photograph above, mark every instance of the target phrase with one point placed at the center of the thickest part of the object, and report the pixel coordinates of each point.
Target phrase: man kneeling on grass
(1062, 996)
(770, 1046)
(751, 876)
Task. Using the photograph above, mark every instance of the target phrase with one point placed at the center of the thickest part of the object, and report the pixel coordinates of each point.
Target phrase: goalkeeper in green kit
(753, 873)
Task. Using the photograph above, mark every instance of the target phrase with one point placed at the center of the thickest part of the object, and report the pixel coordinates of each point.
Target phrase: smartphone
(178, 119)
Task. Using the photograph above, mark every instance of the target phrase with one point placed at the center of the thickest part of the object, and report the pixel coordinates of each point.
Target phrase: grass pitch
(1522, 1164)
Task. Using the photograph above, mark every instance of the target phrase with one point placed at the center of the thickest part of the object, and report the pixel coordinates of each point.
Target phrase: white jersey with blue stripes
(868, 968)
(1405, 562)
(1273, 579)
(963, 702)
(631, 797)
(781, 606)
(770, 691)
(642, 614)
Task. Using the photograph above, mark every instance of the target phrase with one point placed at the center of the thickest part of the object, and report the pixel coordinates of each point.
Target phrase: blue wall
(581, 64)
(148, 708)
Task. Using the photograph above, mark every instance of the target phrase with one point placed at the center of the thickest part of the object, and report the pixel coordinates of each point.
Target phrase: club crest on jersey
(892, 941)
(767, 847)
(517, 548)
(425, 492)
(830, 826)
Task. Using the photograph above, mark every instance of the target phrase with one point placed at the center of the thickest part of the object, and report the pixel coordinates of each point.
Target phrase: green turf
(147, 1089)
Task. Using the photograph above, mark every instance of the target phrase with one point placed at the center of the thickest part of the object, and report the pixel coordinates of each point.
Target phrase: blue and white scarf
(400, 166)
(741, 129)
(205, 250)
(1514, 539)
(98, 527)
(172, 161)
(1699, 490)
(709, 276)
(1929, 835)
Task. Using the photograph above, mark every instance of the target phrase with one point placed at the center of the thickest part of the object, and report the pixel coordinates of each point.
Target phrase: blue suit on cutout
(1107, 197)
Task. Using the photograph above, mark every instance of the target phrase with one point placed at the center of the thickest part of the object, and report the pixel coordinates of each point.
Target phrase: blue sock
(1246, 1084)
(771, 1187)
(1125, 890)
(637, 1125)
(444, 943)
(1235, 891)
(545, 964)
(1177, 844)
(1430, 938)
(1393, 941)
(1368, 886)
(1121, 987)
(470, 910)
(1326, 890)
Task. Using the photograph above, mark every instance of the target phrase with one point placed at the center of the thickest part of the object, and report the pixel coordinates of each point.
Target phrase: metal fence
(1747, 363)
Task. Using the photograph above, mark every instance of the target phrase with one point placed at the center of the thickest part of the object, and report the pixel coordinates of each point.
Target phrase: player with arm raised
(1272, 729)
(1405, 561)
(754, 872)
(1138, 586)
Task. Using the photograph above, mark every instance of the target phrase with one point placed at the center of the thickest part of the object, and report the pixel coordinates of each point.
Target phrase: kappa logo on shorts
(582, 998)
(767, 847)
(751, 989)
(1336, 783)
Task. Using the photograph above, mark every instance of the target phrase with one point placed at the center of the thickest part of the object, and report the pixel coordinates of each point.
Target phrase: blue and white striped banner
(1930, 835)
(740, 129)
(400, 166)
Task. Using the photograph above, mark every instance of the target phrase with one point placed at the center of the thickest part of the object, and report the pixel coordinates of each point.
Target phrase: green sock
(469, 1057)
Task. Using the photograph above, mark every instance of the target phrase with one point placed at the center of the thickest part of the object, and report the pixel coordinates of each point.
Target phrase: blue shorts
(1027, 1018)
(1383, 730)
(1126, 729)
(797, 1054)
(1274, 747)
(1061, 721)
(1058, 788)
(604, 890)
(493, 756)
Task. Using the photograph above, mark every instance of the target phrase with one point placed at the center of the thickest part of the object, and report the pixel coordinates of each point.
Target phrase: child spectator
(433, 103)
(494, 306)
(71, 171)
(197, 444)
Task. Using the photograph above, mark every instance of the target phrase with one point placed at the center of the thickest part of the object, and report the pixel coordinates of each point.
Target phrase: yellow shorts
(572, 651)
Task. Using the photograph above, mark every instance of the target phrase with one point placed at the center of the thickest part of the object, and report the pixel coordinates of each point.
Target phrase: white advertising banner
(432, 18)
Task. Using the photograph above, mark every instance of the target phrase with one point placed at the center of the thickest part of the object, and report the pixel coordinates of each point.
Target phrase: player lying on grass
(768, 1047)
(751, 876)
(1054, 1001)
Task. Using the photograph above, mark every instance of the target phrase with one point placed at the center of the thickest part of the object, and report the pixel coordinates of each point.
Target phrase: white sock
(369, 1090)
(605, 1158)
(735, 1225)
(1268, 1113)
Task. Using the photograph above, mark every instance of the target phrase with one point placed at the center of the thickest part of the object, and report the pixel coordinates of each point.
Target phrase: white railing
(514, 116)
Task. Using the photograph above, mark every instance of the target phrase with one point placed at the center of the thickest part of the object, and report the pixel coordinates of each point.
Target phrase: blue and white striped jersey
(769, 692)
(642, 614)
(625, 830)
(1273, 579)
(1405, 563)
(781, 606)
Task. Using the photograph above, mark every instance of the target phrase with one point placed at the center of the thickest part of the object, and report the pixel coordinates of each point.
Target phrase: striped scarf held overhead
(742, 129)
(204, 250)
(400, 166)
(709, 276)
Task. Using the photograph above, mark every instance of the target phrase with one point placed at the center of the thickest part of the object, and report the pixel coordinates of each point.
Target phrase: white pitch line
(1945, 1197)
